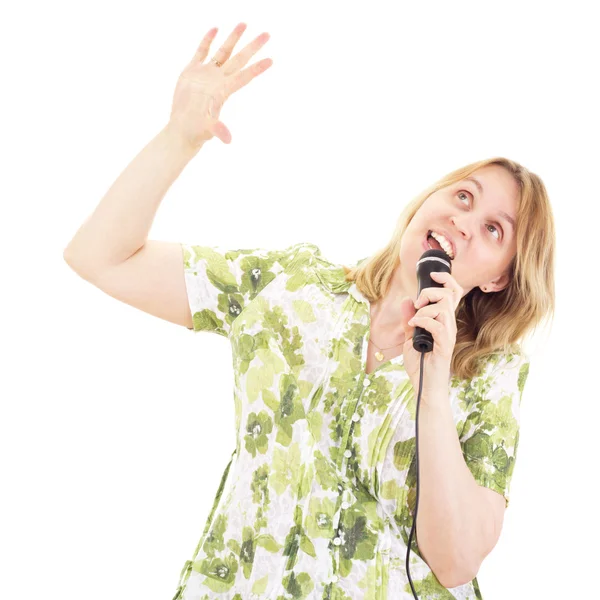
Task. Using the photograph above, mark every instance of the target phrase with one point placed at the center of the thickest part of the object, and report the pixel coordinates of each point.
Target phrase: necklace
(379, 355)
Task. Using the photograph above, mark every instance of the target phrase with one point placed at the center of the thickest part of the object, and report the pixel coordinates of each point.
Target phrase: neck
(385, 312)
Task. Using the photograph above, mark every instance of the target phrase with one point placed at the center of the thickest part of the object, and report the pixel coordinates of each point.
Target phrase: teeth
(444, 243)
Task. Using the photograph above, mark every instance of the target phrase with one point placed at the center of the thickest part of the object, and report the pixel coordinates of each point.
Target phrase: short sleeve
(220, 283)
(490, 436)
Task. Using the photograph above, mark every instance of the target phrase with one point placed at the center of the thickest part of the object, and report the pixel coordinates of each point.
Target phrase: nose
(462, 227)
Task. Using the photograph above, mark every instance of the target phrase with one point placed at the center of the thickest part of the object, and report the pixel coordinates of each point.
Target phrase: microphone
(431, 261)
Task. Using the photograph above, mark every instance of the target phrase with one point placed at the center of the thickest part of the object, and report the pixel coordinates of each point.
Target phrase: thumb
(220, 130)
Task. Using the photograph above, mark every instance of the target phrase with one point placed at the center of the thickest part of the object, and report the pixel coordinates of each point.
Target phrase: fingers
(436, 328)
(244, 55)
(235, 82)
(434, 318)
(204, 46)
(430, 303)
(435, 294)
(426, 296)
(233, 66)
(224, 52)
(447, 280)
(436, 304)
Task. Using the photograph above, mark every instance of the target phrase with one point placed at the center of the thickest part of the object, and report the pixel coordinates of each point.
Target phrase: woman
(319, 497)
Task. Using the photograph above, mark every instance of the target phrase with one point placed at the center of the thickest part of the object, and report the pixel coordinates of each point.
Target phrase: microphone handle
(422, 339)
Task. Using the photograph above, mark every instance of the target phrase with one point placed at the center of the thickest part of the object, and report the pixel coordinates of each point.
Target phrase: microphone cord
(414, 525)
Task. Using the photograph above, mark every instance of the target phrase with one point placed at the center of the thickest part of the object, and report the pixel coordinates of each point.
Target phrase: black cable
(414, 525)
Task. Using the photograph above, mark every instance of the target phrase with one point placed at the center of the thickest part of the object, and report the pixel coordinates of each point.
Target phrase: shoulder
(507, 372)
(502, 363)
(512, 365)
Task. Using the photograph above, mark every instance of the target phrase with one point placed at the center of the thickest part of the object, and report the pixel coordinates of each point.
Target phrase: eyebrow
(501, 212)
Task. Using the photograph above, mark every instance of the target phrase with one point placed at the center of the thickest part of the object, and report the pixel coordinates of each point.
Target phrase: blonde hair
(486, 322)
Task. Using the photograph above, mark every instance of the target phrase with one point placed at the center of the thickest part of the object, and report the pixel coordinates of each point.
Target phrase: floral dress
(318, 497)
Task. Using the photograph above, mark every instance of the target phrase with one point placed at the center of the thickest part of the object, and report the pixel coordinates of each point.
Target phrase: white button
(355, 417)
(337, 541)
(345, 505)
(334, 579)
(348, 453)
(366, 382)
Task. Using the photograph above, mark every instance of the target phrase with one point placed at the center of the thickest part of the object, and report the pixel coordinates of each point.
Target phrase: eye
(461, 193)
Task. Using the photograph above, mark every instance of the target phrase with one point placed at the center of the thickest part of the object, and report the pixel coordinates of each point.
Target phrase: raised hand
(203, 87)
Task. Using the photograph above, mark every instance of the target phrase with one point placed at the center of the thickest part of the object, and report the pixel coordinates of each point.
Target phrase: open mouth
(435, 245)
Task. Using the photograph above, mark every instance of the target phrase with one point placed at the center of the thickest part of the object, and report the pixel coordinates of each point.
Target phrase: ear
(496, 285)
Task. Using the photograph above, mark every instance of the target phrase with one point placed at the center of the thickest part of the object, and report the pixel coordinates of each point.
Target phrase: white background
(116, 426)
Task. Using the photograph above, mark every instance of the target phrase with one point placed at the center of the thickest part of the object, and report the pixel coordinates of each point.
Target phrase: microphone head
(434, 260)
(435, 252)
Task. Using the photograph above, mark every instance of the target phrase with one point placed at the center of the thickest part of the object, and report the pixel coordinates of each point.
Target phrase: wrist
(436, 396)
(178, 141)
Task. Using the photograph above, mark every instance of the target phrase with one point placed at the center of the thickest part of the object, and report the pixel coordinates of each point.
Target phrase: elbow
(68, 257)
(456, 576)
(452, 570)
(76, 264)
(71, 263)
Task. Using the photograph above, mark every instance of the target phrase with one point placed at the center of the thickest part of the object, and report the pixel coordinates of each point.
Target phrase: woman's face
(483, 238)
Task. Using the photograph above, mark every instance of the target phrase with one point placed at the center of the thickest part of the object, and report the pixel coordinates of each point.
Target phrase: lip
(446, 235)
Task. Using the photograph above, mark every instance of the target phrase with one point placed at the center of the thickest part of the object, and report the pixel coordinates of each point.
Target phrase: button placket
(336, 516)
(347, 452)
(342, 464)
(347, 499)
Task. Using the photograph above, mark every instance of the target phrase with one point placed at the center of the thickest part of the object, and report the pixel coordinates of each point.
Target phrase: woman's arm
(119, 225)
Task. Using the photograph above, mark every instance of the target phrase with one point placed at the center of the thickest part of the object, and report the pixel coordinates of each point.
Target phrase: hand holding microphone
(433, 317)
